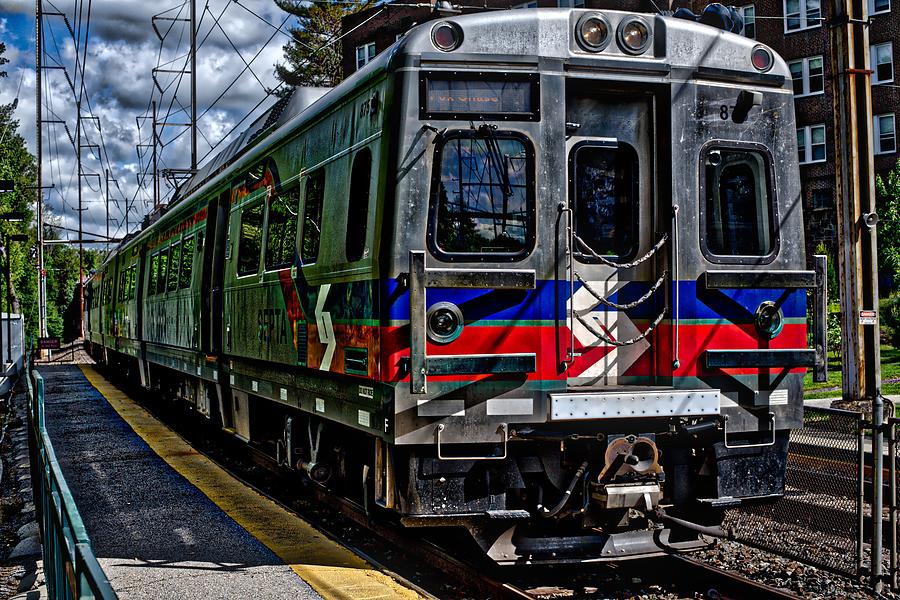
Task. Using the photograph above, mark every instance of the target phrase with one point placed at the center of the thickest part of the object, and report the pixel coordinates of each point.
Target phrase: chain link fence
(819, 519)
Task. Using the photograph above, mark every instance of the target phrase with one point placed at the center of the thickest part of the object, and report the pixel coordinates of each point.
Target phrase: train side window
(132, 281)
(174, 264)
(161, 275)
(604, 187)
(187, 263)
(281, 231)
(482, 204)
(739, 203)
(250, 242)
(312, 217)
(154, 268)
(358, 208)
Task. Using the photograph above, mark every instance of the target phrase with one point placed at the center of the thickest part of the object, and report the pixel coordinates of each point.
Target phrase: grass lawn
(890, 375)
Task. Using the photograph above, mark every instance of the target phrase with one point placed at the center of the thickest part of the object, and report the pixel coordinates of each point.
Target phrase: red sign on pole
(48, 343)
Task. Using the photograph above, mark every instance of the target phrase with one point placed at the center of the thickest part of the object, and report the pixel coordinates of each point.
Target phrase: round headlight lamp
(446, 36)
(593, 32)
(444, 322)
(633, 35)
(769, 319)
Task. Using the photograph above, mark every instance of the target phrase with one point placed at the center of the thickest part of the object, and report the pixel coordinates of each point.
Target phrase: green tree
(313, 56)
(889, 223)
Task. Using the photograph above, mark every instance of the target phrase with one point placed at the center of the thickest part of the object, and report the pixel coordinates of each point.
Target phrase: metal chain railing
(619, 343)
(626, 306)
(610, 263)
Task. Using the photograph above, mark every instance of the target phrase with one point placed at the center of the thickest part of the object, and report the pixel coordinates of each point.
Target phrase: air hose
(568, 494)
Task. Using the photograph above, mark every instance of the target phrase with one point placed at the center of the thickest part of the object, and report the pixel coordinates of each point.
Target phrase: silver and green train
(535, 273)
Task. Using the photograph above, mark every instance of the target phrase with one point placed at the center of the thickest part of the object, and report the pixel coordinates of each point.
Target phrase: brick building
(797, 29)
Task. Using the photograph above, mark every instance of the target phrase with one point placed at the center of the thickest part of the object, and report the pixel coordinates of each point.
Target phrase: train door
(212, 279)
(612, 259)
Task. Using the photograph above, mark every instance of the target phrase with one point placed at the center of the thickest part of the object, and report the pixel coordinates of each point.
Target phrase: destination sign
(466, 97)
(48, 343)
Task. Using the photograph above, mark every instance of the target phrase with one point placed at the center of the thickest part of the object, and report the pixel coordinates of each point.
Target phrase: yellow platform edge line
(332, 570)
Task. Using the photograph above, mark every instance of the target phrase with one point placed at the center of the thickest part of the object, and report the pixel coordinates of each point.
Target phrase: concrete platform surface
(166, 522)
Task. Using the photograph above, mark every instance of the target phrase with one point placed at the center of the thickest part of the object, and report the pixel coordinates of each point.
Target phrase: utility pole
(155, 173)
(193, 86)
(107, 210)
(857, 238)
(80, 218)
(38, 141)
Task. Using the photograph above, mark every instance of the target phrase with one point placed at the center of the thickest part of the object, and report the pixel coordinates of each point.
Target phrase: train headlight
(446, 36)
(444, 322)
(633, 35)
(769, 319)
(761, 58)
(593, 32)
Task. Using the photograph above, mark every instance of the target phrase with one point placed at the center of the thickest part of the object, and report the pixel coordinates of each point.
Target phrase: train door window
(358, 208)
(154, 269)
(174, 265)
(187, 263)
(123, 285)
(312, 217)
(250, 242)
(281, 230)
(161, 276)
(132, 281)
(604, 187)
(482, 196)
(738, 208)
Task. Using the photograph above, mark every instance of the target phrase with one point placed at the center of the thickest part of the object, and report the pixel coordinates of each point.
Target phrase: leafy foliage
(889, 222)
(313, 56)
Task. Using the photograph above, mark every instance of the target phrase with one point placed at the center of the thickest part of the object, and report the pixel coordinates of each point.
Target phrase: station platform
(167, 522)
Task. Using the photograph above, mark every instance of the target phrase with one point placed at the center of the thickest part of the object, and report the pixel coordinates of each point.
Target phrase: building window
(879, 6)
(808, 75)
(821, 198)
(885, 134)
(749, 14)
(811, 144)
(364, 54)
(882, 63)
(802, 14)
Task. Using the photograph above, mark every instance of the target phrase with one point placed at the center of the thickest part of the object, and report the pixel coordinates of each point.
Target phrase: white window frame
(805, 22)
(751, 8)
(873, 50)
(367, 56)
(876, 132)
(808, 145)
(872, 10)
(804, 62)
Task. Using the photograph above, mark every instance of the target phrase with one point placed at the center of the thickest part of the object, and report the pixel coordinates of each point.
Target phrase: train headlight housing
(769, 319)
(446, 36)
(593, 32)
(633, 35)
(444, 322)
(761, 58)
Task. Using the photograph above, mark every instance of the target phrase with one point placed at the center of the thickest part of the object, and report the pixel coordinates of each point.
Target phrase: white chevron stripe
(325, 328)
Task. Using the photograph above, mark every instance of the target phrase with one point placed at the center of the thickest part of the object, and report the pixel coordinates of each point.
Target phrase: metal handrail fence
(71, 570)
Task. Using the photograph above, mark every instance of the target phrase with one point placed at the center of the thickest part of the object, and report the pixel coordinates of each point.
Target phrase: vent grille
(301, 342)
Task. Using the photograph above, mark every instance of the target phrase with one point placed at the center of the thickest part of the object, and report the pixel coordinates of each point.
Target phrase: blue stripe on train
(540, 304)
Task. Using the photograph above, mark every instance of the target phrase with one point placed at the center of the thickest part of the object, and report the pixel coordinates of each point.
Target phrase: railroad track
(432, 564)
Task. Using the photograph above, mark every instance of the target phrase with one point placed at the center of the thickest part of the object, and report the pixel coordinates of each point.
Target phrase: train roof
(680, 49)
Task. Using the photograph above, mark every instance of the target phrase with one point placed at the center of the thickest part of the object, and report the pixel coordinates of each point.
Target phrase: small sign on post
(868, 317)
(48, 343)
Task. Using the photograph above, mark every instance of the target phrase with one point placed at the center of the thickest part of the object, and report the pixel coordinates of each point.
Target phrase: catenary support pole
(856, 221)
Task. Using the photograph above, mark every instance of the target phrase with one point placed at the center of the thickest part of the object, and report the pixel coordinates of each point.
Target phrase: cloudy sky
(122, 50)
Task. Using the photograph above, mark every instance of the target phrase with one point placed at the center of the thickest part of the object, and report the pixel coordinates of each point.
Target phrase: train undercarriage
(589, 493)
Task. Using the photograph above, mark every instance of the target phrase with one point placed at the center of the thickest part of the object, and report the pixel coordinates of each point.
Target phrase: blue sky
(122, 51)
